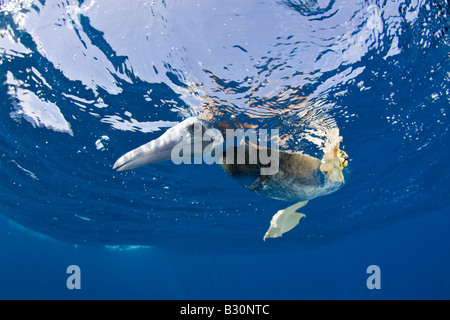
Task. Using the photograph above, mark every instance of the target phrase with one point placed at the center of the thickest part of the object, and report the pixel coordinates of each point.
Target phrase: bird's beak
(161, 149)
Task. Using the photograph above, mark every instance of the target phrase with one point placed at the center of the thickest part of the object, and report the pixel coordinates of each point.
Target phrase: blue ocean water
(83, 82)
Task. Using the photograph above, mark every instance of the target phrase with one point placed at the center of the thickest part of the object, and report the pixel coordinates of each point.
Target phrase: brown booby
(298, 177)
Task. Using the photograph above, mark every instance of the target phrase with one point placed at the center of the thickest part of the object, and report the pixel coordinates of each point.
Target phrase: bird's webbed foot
(333, 163)
(285, 220)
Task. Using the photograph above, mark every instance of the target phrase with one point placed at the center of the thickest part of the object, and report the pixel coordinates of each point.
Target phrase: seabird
(298, 178)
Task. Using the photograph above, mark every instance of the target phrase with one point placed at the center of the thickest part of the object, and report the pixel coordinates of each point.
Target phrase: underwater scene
(122, 124)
